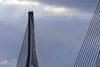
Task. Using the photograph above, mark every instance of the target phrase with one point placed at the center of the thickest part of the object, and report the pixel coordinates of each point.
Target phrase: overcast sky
(60, 27)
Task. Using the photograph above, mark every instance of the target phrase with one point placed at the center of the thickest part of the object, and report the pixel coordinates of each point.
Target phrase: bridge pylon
(28, 57)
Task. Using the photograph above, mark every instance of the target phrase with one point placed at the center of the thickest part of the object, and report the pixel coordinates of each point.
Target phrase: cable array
(89, 51)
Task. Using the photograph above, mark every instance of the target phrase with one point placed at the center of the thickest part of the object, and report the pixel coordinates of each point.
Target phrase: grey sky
(60, 27)
(78, 4)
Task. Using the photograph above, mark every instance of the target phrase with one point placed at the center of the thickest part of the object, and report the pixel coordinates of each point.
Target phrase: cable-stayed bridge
(89, 54)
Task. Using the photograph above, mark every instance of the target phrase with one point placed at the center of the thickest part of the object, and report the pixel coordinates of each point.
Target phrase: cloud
(7, 63)
(1, 0)
(3, 62)
(21, 2)
(43, 10)
(86, 5)
(67, 12)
